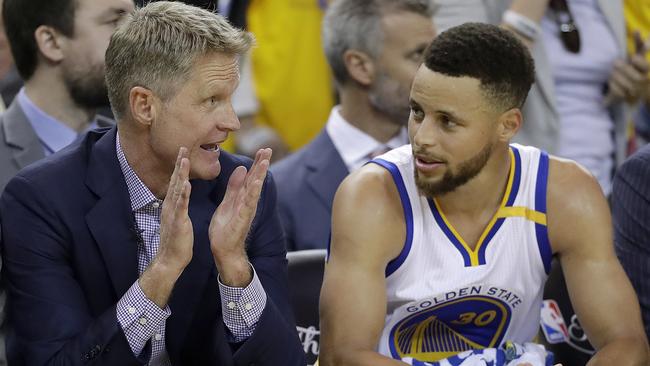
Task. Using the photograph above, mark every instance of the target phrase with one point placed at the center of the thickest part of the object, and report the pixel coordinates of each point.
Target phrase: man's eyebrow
(115, 11)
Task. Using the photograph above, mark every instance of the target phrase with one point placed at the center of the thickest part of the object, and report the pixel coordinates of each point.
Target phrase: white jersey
(443, 297)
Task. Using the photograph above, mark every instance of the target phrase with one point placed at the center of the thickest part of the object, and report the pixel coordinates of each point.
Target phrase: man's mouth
(428, 160)
(210, 147)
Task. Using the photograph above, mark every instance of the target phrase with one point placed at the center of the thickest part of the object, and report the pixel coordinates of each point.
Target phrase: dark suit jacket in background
(307, 182)
(19, 144)
(70, 254)
(631, 214)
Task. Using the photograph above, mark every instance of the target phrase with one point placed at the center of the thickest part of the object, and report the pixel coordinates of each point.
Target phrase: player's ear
(509, 123)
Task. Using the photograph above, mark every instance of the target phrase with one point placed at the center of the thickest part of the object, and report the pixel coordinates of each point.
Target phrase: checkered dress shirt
(141, 319)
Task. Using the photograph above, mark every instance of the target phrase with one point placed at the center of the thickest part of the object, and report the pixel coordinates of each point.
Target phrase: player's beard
(390, 98)
(87, 87)
(451, 180)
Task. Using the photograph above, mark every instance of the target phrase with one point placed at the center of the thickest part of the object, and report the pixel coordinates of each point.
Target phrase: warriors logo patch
(436, 331)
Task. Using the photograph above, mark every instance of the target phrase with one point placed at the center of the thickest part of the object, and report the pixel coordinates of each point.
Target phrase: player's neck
(482, 193)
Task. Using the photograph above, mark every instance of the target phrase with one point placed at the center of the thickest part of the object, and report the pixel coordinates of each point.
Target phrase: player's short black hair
(488, 53)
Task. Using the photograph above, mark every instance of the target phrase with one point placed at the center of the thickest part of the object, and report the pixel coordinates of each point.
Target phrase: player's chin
(430, 176)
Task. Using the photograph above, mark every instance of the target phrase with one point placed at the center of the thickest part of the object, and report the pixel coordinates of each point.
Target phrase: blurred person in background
(586, 80)
(637, 18)
(58, 47)
(10, 82)
(374, 48)
(631, 214)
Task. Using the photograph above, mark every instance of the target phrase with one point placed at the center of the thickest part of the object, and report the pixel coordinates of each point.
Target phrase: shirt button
(158, 337)
(143, 321)
(231, 305)
(156, 205)
(248, 306)
(131, 310)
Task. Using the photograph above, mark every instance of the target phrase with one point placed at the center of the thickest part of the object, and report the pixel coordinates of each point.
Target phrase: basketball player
(444, 245)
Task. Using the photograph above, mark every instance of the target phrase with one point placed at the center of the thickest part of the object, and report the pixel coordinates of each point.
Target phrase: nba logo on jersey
(552, 323)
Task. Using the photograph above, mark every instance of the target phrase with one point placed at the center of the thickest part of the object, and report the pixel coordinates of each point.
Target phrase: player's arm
(367, 232)
(580, 232)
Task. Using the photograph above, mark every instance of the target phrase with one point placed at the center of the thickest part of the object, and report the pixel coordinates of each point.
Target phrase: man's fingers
(256, 172)
(629, 71)
(253, 191)
(182, 202)
(616, 92)
(173, 181)
(261, 165)
(626, 87)
(640, 64)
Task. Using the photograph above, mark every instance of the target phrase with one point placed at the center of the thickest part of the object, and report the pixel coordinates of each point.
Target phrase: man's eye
(418, 114)
(447, 122)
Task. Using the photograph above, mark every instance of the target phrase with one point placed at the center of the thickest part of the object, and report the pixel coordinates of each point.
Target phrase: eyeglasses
(568, 30)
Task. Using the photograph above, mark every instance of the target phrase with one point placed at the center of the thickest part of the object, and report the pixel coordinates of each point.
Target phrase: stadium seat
(305, 278)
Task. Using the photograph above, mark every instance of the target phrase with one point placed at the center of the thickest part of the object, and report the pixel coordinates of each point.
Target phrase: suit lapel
(326, 169)
(110, 220)
(20, 134)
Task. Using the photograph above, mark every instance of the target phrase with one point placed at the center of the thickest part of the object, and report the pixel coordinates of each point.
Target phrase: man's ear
(509, 123)
(360, 66)
(144, 105)
(49, 42)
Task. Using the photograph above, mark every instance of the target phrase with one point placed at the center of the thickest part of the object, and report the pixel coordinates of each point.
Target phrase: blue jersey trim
(445, 229)
(495, 228)
(394, 264)
(517, 177)
(516, 181)
(540, 205)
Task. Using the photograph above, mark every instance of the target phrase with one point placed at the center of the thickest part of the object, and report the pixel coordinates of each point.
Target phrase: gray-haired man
(144, 244)
(374, 49)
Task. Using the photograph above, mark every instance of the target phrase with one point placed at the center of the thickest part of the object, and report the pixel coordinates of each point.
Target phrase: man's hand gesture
(232, 220)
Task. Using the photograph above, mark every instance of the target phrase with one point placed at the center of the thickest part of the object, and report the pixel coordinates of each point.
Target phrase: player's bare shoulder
(576, 203)
(367, 210)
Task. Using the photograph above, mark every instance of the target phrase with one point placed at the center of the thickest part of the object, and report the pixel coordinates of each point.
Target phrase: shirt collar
(53, 134)
(140, 195)
(354, 145)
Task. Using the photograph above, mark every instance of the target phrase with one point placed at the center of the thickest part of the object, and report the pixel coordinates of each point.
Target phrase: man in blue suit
(374, 49)
(144, 244)
(631, 214)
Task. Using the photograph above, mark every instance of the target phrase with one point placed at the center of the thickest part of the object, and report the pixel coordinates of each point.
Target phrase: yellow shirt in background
(292, 79)
(637, 18)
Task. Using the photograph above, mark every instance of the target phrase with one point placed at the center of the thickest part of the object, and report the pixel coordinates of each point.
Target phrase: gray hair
(356, 24)
(157, 45)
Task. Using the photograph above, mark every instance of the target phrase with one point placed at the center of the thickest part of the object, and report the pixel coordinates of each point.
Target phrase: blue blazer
(69, 253)
(631, 216)
(307, 182)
